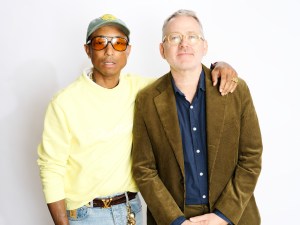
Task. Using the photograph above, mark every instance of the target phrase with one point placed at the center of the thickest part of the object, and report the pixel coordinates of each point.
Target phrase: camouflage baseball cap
(106, 20)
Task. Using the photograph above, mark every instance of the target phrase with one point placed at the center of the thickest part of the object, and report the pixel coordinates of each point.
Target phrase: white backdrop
(42, 51)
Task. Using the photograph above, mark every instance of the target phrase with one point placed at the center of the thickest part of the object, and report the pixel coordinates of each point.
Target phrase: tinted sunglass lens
(99, 43)
(120, 44)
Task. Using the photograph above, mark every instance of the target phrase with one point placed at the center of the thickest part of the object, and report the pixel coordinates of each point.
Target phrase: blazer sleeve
(159, 200)
(239, 190)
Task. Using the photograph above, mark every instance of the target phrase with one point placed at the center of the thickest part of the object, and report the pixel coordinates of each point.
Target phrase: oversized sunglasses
(100, 42)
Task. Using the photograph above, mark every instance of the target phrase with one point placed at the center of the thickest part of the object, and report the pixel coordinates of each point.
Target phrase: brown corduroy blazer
(234, 148)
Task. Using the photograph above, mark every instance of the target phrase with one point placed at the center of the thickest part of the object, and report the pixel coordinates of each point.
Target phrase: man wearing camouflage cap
(85, 153)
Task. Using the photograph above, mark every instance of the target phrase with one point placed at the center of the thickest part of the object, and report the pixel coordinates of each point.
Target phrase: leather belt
(107, 202)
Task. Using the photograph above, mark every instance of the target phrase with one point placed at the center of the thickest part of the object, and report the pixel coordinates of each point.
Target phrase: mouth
(183, 53)
(108, 60)
(109, 63)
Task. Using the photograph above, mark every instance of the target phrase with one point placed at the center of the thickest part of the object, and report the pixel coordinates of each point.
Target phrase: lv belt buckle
(106, 202)
(73, 213)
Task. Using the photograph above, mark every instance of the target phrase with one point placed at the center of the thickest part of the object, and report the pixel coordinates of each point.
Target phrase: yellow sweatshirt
(86, 144)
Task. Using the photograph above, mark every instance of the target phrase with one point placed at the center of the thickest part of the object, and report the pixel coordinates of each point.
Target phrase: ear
(87, 50)
(128, 50)
(162, 50)
(205, 47)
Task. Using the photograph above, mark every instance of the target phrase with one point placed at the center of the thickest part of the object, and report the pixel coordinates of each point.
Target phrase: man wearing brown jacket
(196, 154)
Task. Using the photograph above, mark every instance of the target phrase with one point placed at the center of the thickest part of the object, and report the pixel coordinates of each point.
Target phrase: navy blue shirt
(192, 123)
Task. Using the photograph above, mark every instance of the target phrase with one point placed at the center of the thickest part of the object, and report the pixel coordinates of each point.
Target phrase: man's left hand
(208, 219)
(229, 77)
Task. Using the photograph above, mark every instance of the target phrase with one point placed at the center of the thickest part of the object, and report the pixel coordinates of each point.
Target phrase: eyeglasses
(176, 38)
(100, 42)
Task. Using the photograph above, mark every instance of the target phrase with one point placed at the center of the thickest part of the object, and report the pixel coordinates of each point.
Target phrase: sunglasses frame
(111, 41)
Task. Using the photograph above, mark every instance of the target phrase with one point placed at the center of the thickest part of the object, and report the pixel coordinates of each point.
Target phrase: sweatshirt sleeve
(53, 153)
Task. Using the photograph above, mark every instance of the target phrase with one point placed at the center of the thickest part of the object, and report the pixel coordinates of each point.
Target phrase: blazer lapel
(165, 103)
(167, 111)
(215, 109)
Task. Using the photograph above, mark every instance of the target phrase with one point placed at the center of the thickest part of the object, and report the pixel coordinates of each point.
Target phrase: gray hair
(182, 12)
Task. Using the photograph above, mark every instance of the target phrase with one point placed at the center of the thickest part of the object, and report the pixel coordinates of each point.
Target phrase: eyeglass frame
(166, 37)
(89, 42)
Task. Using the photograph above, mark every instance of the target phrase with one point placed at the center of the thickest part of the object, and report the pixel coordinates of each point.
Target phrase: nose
(109, 50)
(183, 41)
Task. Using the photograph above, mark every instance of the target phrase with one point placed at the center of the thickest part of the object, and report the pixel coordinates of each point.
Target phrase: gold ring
(235, 80)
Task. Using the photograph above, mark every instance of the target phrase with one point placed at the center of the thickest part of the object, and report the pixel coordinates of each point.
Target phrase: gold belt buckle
(106, 202)
(73, 213)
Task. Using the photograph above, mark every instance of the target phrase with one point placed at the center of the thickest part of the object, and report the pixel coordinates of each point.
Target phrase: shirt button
(194, 128)
(191, 107)
(198, 151)
(203, 196)
(201, 174)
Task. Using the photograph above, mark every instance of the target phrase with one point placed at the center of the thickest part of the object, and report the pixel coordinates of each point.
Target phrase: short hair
(182, 12)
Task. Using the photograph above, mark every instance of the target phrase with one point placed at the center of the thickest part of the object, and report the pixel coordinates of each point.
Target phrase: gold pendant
(130, 216)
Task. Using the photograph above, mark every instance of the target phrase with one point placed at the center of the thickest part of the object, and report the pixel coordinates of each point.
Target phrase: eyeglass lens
(118, 43)
(176, 38)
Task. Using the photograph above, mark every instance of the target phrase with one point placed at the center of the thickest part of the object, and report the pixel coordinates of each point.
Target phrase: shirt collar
(201, 84)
